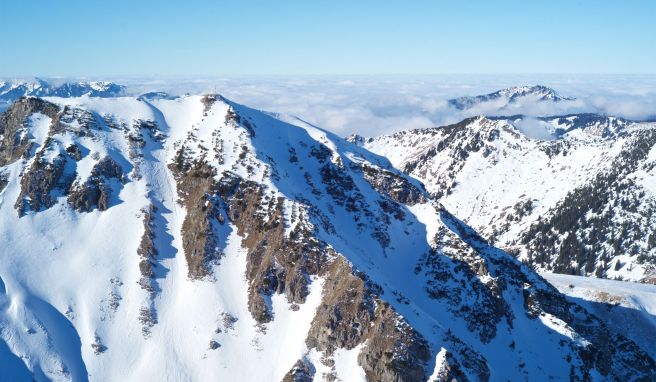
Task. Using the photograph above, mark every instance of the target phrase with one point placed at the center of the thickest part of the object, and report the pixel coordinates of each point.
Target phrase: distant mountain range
(13, 90)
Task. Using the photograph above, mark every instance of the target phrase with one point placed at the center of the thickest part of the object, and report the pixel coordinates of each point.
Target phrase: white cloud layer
(377, 105)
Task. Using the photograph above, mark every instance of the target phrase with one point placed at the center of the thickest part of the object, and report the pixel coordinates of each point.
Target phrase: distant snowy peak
(543, 92)
(510, 95)
(13, 90)
(91, 89)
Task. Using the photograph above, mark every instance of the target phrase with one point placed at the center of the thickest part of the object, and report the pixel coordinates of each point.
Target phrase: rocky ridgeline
(350, 313)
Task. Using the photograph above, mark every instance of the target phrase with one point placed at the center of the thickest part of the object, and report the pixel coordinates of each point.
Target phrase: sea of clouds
(373, 105)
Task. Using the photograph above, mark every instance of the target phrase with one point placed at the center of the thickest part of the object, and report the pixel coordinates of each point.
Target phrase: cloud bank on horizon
(374, 105)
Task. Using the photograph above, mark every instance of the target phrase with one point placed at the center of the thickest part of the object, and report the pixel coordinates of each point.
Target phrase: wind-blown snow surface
(73, 305)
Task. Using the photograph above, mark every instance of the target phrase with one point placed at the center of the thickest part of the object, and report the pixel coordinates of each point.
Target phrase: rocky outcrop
(42, 183)
(394, 186)
(4, 181)
(448, 369)
(147, 251)
(14, 144)
(77, 121)
(199, 241)
(96, 191)
(303, 371)
(350, 313)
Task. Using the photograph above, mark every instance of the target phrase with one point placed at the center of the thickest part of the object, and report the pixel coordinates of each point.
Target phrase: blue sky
(196, 37)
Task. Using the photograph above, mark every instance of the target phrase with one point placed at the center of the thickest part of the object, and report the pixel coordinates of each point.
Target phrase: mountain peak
(510, 95)
(542, 92)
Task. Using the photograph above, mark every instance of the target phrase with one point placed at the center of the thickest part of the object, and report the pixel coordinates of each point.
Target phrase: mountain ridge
(605, 160)
(12, 90)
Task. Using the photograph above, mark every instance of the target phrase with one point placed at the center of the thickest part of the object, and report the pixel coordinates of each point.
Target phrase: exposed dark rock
(396, 187)
(450, 370)
(42, 183)
(98, 347)
(148, 319)
(76, 121)
(74, 152)
(147, 251)
(207, 101)
(233, 117)
(195, 188)
(214, 345)
(4, 181)
(14, 144)
(351, 314)
(611, 354)
(447, 273)
(276, 264)
(228, 321)
(303, 371)
(96, 191)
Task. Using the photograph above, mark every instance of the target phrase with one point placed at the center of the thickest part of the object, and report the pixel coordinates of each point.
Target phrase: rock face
(42, 183)
(14, 142)
(96, 191)
(582, 202)
(294, 254)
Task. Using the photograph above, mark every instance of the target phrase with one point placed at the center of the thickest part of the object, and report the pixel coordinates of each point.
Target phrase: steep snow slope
(581, 202)
(198, 239)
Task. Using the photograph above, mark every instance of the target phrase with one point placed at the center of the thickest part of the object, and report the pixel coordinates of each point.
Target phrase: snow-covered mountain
(13, 90)
(581, 199)
(504, 97)
(198, 239)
